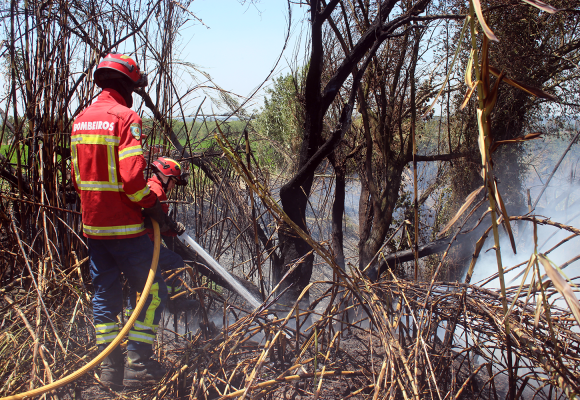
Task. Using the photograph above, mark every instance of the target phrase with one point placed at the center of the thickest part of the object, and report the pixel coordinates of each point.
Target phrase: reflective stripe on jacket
(156, 187)
(107, 168)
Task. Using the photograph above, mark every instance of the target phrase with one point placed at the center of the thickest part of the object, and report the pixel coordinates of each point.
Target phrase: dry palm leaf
(468, 200)
(478, 247)
(468, 95)
(562, 286)
(484, 76)
(506, 218)
(530, 136)
(481, 139)
(542, 6)
(468, 79)
(491, 98)
(522, 284)
(522, 86)
(488, 32)
(539, 308)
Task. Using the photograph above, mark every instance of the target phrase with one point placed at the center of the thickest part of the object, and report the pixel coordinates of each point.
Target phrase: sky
(237, 45)
(240, 43)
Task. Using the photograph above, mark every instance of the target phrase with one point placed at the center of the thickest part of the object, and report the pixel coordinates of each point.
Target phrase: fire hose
(97, 360)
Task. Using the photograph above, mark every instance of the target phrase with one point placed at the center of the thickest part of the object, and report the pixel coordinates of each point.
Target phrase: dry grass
(405, 340)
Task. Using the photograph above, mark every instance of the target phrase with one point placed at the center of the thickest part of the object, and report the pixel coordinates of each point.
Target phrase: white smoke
(560, 203)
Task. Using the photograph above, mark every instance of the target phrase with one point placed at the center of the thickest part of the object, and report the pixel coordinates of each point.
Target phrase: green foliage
(200, 133)
(279, 125)
(8, 151)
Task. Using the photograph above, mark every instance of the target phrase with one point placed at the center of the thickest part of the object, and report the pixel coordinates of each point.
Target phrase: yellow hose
(142, 300)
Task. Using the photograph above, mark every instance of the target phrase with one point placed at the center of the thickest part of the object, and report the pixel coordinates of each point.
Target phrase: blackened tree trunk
(322, 88)
(338, 211)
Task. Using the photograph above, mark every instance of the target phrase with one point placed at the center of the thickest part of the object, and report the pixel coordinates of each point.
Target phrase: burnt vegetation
(429, 107)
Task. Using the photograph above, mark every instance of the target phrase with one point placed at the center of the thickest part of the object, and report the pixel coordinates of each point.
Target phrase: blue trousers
(168, 261)
(174, 261)
(132, 257)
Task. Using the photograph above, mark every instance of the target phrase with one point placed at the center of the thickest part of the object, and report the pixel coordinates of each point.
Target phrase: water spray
(235, 284)
(221, 271)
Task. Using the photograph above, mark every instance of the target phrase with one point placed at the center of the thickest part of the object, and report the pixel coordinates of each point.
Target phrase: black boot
(112, 368)
(182, 303)
(142, 369)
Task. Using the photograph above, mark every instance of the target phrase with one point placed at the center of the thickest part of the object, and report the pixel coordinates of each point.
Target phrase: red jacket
(107, 169)
(156, 187)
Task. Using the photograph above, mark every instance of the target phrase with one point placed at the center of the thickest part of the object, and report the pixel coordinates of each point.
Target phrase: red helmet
(170, 168)
(113, 64)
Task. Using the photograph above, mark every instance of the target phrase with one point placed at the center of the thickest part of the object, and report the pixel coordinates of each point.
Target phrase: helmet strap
(163, 179)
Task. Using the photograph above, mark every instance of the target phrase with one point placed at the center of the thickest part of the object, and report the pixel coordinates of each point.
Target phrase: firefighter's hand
(156, 212)
(71, 197)
(180, 228)
(177, 227)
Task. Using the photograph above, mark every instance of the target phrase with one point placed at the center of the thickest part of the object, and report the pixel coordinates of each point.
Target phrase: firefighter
(167, 174)
(107, 169)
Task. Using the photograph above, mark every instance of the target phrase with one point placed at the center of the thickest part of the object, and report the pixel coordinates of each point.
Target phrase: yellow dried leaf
(522, 86)
(530, 136)
(562, 286)
(486, 30)
(491, 99)
(468, 79)
(478, 247)
(522, 284)
(468, 95)
(506, 218)
(542, 6)
(485, 67)
(539, 307)
(481, 137)
(468, 201)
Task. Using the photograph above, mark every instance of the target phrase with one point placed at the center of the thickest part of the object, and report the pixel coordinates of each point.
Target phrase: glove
(176, 227)
(156, 212)
(71, 197)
